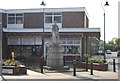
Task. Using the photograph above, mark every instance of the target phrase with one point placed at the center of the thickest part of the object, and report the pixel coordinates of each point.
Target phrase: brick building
(22, 31)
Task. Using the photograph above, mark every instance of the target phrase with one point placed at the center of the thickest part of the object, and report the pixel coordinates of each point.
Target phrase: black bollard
(42, 64)
(64, 61)
(91, 72)
(114, 68)
(74, 68)
(87, 64)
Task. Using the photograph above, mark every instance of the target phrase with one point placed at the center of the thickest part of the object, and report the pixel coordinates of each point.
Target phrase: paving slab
(65, 75)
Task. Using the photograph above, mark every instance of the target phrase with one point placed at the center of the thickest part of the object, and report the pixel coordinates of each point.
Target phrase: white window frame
(53, 15)
(15, 25)
(49, 25)
(73, 44)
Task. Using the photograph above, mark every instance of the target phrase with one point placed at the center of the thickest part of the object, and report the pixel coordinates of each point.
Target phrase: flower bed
(13, 67)
(14, 70)
(10, 62)
(98, 64)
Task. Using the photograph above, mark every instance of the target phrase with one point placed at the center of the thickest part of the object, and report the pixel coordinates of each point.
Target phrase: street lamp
(43, 4)
(42, 58)
(106, 4)
(1, 32)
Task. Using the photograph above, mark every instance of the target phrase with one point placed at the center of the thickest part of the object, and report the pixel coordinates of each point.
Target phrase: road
(110, 58)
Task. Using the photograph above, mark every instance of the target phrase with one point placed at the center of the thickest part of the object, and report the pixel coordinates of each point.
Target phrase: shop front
(30, 44)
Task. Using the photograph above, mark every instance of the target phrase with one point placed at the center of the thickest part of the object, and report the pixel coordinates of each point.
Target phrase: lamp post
(1, 34)
(42, 58)
(106, 4)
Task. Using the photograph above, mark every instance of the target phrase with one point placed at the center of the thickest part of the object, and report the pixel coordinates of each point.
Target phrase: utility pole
(43, 42)
(106, 4)
(1, 31)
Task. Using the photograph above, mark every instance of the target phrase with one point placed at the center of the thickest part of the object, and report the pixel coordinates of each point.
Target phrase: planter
(100, 66)
(14, 70)
(96, 66)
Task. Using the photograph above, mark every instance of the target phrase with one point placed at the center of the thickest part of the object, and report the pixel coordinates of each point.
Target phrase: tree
(113, 45)
(117, 42)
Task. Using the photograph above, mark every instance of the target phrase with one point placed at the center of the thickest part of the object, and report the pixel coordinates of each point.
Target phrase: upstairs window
(48, 19)
(15, 18)
(52, 17)
(11, 20)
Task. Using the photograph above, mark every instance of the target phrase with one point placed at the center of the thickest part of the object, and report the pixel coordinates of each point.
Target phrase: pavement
(65, 75)
(69, 75)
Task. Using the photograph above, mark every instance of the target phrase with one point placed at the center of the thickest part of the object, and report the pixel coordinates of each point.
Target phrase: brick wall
(33, 20)
(73, 19)
(4, 20)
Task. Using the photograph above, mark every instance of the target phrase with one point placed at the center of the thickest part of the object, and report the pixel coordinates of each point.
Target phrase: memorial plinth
(55, 50)
(55, 57)
(14, 70)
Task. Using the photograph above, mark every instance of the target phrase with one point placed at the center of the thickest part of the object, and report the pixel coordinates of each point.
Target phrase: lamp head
(106, 4)
(43, 4)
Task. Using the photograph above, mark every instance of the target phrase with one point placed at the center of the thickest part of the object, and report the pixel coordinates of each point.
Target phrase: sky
(93, 7)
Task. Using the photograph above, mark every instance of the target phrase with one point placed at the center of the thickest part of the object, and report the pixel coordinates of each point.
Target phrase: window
(19, 20)
(57, 13)
(72, 46)
(15, 18)
(69, 41)
(48, 19)
(71, 49)
(11, 14)
(57, 19)
(14, 41)
(48, 13)
(11, 20)
(52, 17)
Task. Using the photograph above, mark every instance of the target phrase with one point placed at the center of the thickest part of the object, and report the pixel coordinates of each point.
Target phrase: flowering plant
(10, 62)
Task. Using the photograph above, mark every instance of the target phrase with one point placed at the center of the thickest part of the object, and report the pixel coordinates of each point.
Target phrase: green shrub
(96, 60)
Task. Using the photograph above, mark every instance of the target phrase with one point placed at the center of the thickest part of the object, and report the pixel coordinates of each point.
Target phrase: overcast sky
(93, 8)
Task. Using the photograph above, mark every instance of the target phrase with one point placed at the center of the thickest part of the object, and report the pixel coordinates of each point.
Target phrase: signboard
(7, 71)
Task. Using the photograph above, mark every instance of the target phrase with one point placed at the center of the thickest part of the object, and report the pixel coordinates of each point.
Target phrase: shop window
(25, 50)
(76, 49)
(69, 41)
(71, 49)
(77, 42)
(14, 41)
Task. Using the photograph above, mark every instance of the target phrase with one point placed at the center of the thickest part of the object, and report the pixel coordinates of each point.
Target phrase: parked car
(118, 54)
(108, 51)
(100, 52)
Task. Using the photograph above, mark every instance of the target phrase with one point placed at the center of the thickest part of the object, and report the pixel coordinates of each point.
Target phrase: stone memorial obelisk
(55, 50)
